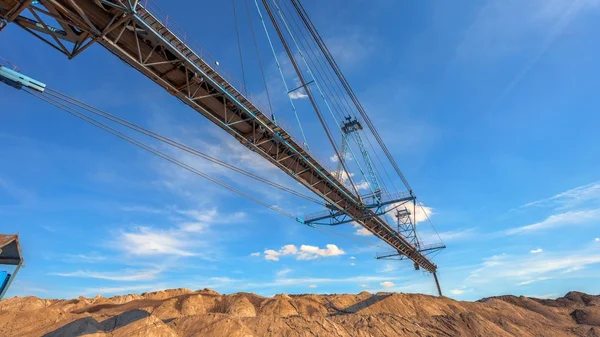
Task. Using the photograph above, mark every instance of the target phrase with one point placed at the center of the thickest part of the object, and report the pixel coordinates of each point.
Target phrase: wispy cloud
(457, 291)
(87, 258)
(283, 273)
(558, 220)
(388, 267)
(545, 296)
(18, 193)
(526, 269)
(502, 27)
(536, 251)
(505, 27)
(191, 231)
(142, 209)
(539, 279)
(123, 289)
(123, 276)
(447, 236)
(571, 198)
(352, 46)
(322, 280)
(151, 241)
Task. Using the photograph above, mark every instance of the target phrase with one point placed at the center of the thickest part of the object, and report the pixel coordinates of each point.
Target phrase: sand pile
(186, 313)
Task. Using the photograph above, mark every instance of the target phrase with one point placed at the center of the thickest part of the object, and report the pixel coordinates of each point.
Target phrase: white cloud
(123, 276)
(570, 198)
(312, 286)
(343, 176)
(539, 279)
(288, 249)
(354, 258)
(457, 291)
(530, 268)
(305, 252)
(447, 236)
(223, 279)
(536, 251)
(123, 289)
(572, 269)
(194, 227)
(283, 273)
(151, 241)
(597, 239)
(353, 264)
(558, 220)
(545, 296)
(191, 234)
(142, 209)
(388, 267)
(363, 285)
(362, 186)
(351, 46)
(302, 281)
(313, 252)
(387, 284)
(88, 258)
(360, 230)
(334, 158)
(255, 254)
(419, 213)
(272, 255)
(505, 27)
(298, 94)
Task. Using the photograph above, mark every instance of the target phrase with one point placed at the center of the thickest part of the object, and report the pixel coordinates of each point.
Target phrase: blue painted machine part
(18, 80)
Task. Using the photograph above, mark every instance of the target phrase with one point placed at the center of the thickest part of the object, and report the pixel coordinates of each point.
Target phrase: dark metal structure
(10, 255)
(144, 37)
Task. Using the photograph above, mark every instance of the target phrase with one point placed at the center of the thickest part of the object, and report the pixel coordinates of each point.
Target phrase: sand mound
(240, 306)
(279, 306)
(586, 316)
(168, 293)
(183, 313)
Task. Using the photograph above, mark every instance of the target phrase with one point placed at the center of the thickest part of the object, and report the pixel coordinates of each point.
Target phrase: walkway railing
(153, 8)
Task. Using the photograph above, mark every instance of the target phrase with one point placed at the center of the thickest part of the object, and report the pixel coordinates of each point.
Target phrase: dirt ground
(186, 313)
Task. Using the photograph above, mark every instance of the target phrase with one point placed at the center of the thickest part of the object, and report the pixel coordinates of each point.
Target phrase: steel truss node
(334, 217)
(406, 226)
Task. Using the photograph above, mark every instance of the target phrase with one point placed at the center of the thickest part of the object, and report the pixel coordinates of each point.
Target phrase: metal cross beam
(334, 217)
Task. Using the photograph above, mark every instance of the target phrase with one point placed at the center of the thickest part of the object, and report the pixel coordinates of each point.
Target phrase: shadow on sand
(89, 325)
(359, 305)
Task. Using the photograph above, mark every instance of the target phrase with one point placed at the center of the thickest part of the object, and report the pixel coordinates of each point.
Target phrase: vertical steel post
(437, 283)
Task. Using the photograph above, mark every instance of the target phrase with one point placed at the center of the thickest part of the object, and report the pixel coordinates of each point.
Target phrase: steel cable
(312, 29)
(154, 151)
(166, 140)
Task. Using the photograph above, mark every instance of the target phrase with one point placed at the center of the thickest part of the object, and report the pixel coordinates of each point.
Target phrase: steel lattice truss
(140, 35)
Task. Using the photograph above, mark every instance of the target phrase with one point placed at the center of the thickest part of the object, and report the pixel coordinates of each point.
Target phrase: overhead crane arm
(141, 38)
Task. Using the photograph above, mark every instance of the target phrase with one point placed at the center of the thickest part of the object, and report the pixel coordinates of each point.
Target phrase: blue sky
(489, 107)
